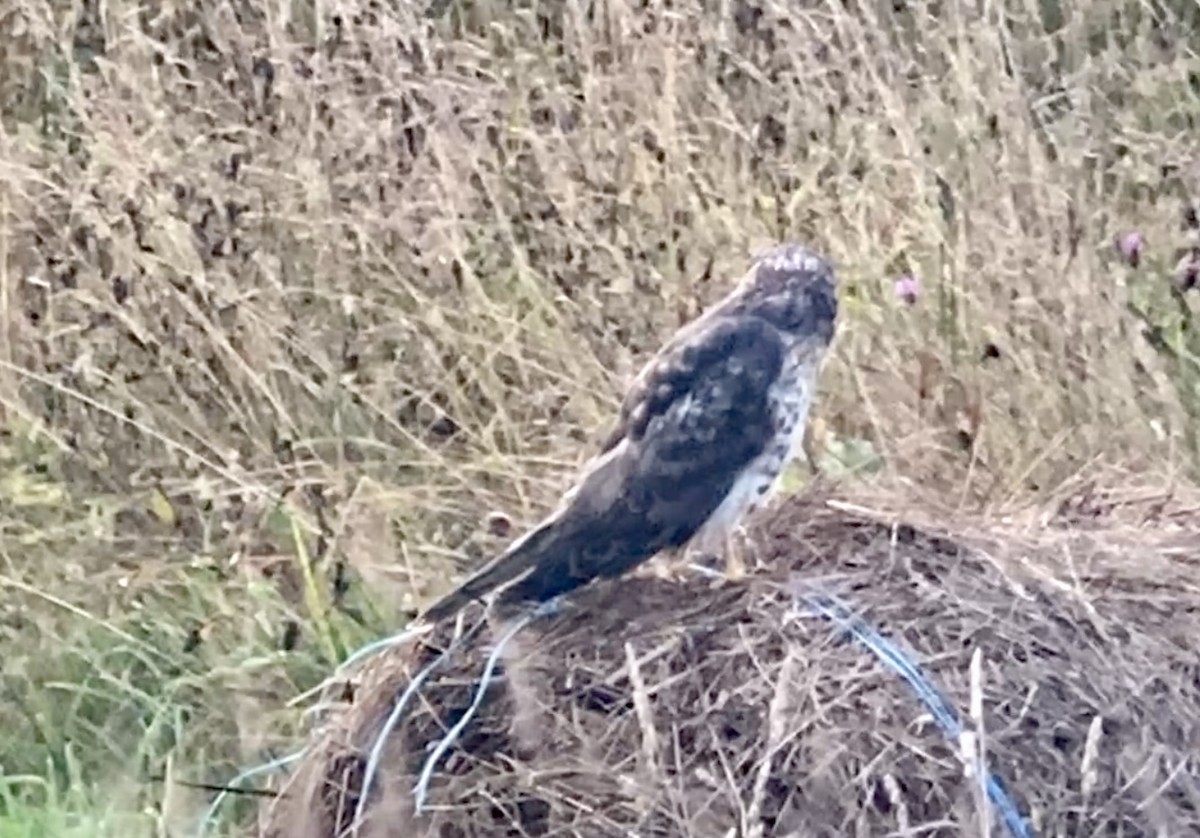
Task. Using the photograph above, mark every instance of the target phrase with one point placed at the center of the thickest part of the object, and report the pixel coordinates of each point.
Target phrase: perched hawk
(701, 439)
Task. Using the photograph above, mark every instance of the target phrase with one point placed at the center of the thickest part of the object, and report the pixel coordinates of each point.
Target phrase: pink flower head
(1130, 245)
(907, 289)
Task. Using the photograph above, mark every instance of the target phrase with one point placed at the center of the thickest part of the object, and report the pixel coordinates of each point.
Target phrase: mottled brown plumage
(700, 440)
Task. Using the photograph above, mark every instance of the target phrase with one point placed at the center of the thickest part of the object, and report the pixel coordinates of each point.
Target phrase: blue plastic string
(887, 652)
(421, 789)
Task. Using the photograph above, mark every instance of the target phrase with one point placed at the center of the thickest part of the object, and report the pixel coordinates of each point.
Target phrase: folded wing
(697, 417)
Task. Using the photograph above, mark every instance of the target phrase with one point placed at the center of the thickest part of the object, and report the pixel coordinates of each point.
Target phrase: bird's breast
(791, 397)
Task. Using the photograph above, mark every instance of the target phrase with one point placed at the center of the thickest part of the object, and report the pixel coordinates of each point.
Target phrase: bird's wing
(699, 415)
(696, 343)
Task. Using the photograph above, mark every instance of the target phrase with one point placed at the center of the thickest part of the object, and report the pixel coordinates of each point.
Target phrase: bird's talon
(735, 558)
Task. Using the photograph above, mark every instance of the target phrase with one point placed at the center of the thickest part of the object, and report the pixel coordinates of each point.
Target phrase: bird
(700, 440)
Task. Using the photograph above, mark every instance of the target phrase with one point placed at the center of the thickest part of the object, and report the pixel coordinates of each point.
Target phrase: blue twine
(211, 814)
(392, 720)
(943, 714)
(376, 646)
(421, 789)
(367, 649)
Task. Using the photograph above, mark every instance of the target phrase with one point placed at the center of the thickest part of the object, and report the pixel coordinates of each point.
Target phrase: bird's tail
(518, 559)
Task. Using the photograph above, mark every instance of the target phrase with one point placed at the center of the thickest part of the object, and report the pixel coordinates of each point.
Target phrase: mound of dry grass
(657, 707)
(292, 296)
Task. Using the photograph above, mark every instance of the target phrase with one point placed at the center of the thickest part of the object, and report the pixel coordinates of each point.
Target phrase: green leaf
(848, 457)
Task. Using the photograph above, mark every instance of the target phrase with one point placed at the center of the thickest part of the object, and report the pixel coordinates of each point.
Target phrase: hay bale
(688, 707)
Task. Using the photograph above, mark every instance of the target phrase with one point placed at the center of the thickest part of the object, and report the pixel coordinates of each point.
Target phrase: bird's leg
(735, 555)
(668, 564)
(708, 550)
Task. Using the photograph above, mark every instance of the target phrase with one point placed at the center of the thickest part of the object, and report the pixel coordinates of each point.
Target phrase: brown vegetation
(306, 307)
(690, 707)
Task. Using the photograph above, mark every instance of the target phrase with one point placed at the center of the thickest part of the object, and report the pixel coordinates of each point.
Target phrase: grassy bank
(292, 298)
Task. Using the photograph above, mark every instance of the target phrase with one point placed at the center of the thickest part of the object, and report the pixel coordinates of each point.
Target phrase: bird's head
(794, 289)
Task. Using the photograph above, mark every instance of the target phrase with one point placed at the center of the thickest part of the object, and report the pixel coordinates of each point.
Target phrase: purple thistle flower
(907, 289)
(1130, 245)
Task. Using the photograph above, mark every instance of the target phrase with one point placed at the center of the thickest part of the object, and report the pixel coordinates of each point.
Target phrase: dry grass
(684, 709)
(293, 296)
